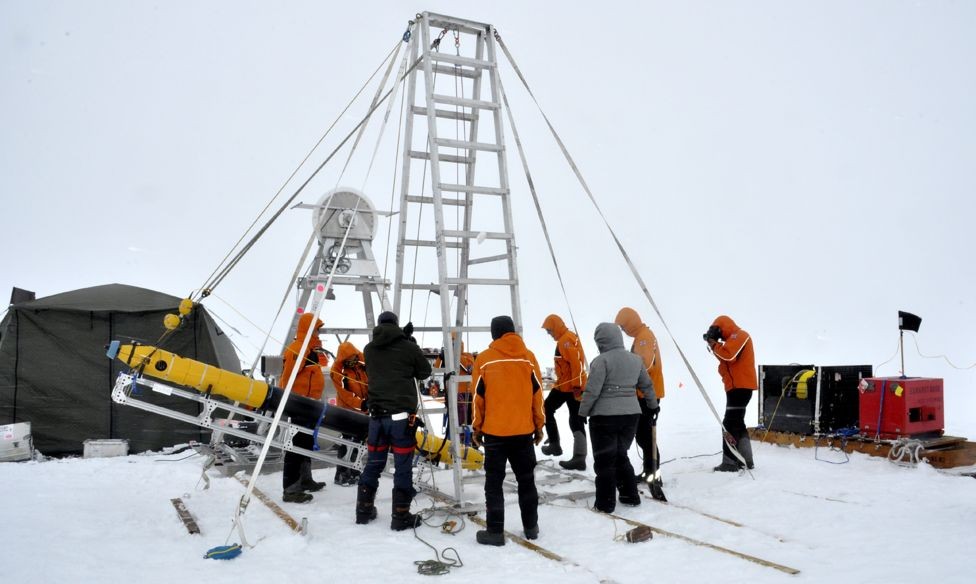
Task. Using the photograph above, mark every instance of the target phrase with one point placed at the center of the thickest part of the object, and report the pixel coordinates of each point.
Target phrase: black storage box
(822, 401)
(839, 401)
(780, 408)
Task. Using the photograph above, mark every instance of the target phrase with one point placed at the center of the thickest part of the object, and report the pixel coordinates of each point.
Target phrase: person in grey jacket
(610, 402)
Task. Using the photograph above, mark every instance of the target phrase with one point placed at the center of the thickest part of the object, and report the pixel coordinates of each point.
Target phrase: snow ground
(819, 152)
(110, 520)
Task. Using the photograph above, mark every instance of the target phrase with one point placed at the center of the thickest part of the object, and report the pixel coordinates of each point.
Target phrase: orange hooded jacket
(310, 381)
(351, 383)
(645, 346)
(569, 360)
(466, 364)
(736, 356)
(508, 389)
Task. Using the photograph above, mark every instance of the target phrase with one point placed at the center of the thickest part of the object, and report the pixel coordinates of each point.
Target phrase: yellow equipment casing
(438, 448)
(802, 389)
(200, 376)
(167, 366)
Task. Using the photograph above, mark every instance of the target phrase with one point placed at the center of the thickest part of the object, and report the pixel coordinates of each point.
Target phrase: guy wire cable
(207, 286)
(393, 183)
(379, 91)
(535, 200)
(291, 283)
(301, 188)
(245, 499)
(386, 118)
(281, 306)
(640, 281)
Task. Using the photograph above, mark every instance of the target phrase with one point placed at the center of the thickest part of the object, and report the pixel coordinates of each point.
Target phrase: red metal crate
(905, 406)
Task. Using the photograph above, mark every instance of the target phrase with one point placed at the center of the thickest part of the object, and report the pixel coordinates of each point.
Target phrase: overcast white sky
(805, 167)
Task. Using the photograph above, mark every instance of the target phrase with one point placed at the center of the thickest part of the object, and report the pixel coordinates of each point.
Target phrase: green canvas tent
(55, 375)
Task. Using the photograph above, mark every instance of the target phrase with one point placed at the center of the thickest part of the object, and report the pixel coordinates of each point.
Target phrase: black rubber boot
(346, 477)
(552, 449)
(578, 461)
(532, 532)
(486, 537)
(365, 509)
(729, 464)
(745, 449)
(296, 497)
(630, 499)
(402, 517)
(307, 483)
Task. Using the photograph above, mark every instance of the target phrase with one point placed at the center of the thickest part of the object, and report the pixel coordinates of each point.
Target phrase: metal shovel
(655, 481)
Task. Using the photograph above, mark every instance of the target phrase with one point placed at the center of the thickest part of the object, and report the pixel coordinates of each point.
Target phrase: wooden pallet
(940, 452)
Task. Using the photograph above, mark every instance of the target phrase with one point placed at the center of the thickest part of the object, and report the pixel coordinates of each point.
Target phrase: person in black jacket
(393, 366)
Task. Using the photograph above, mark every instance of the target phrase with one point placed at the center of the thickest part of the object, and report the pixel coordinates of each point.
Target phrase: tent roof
(108, 298)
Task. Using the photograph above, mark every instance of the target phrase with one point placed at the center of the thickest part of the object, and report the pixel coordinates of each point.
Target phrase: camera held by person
(712, 335)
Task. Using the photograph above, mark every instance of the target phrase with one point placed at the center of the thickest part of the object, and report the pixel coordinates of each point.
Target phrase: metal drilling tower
(459, 98)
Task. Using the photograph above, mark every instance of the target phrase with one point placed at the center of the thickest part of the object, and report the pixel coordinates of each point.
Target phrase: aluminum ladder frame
(468, 110)
(128, 391)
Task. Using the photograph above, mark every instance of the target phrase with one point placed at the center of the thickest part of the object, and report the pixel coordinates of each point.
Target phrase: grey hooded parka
(614, 376)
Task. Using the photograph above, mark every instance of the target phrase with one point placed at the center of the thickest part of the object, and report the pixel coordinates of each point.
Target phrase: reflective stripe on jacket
(508, 389)
(569, 360)
(736, 356)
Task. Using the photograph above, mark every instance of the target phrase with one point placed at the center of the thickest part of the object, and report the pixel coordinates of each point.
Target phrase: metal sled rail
(124, 393)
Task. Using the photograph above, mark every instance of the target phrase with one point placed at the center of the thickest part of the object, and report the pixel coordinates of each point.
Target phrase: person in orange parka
(464, 403)
(508, 420)
(645, 346)
(733, 347)
(570, 365)
(296, 476)
(352, 392)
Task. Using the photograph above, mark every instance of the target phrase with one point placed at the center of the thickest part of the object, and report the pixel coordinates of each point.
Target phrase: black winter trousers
(553, 402)
(291, 474)
(387, 434)
(611, 437)
(643, 438)
(519, 451)
(736, 401)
